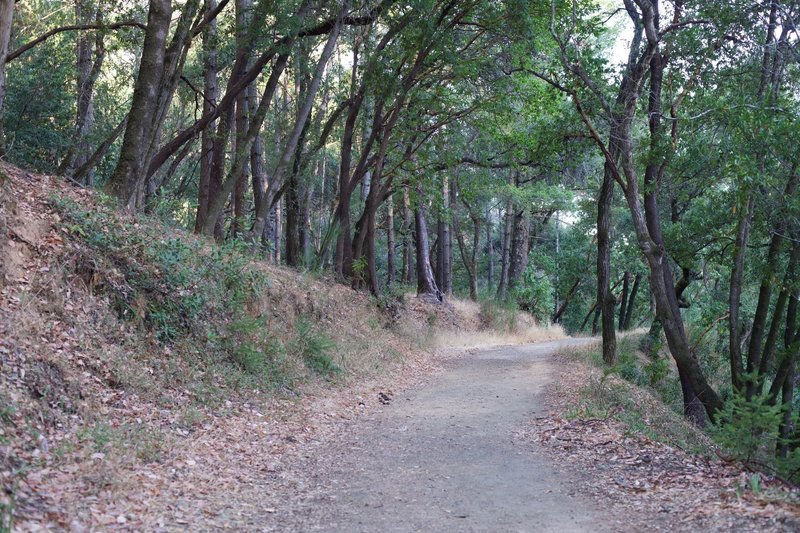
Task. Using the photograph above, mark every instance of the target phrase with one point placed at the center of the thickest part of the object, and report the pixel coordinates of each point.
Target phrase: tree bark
(489, 252)
(126, 181)
(210, 95)
(520, 242)
(6, 19)
(444, 251)
(276, 182)
(623, 300)
(408, 266)
(508, 223)
(605, 297)
(626, 324)
(390, 242)
(426, 283)
(469, 258)
(88, 63)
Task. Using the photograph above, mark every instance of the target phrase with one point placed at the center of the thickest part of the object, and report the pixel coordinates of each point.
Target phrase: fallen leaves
(659, 486)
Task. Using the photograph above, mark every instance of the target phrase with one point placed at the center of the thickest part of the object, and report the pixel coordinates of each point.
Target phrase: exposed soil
(447, 457)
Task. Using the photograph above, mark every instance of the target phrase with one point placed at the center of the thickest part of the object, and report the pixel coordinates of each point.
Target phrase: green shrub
(314, 348)
(534, 293)
(748, 430)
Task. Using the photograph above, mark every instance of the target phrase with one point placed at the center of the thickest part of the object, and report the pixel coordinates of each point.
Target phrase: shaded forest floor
(641, 460)
(114, 417)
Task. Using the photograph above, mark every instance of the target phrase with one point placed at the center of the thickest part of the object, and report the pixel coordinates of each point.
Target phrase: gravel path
(445, 458)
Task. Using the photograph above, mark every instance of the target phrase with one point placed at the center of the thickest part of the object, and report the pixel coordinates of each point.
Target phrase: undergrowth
(744, 431)
(195, 299)
(499, 316)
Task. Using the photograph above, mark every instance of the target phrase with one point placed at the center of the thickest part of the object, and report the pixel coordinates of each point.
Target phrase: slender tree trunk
(276, 183)
(604, 293)
(626, 323)
(444, 250)
(390, 242)
(407, 267)
(489, 252)
(100, 152)
(342, 255)
(88, 64)
(786, 429)
(295, 188)
(565, 302)
(519, 247)
(502, 288)
(6, 19)
(588, 316)
(210, 95)
(241, 156)
(469, 258)
(623, 306)
(259, 177)
(426, 283)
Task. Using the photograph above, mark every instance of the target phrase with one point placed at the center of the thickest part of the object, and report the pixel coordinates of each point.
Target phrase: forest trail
(445, 457)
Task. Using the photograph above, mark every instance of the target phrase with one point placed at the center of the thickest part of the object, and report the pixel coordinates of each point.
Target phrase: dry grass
(479, 334)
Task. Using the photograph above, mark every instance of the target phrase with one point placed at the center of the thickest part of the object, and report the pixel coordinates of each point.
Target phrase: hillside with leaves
(351, 168)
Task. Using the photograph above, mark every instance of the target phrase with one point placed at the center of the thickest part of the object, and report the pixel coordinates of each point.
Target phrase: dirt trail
(445, 458)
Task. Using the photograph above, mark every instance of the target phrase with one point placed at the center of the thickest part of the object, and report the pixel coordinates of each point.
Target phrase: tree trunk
(565, 302)
(276, 183)
(623, 300)
(241, 155)
(390, 242)
(444, 258)
(469, 258)
(408, 266)
(426, 283)
(626, 324)
(126, 181)
(6, 19)
(489, 252)
(295, 191)
(210, 95)
(88, 65)
(519, 247)
(502, 287)
(604, 294)
(259, 177)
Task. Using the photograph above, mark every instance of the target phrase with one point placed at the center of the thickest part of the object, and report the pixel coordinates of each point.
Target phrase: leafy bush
(171, 284)
(534, 293)
(748, 430)
(314, 348)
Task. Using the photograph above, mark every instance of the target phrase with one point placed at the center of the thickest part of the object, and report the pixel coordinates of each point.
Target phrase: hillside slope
(145, 371)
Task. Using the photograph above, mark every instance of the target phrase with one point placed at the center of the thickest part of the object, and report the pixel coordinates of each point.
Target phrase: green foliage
(534, 293)
(315, 349)
(748, 430)
(171, 284)
(194, 297)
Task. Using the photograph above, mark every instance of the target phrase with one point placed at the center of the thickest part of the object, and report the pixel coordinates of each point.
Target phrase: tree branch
(74, 27)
